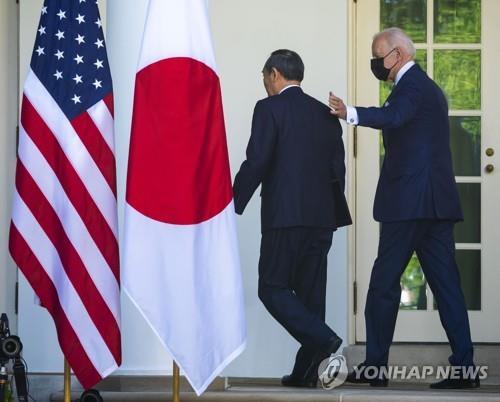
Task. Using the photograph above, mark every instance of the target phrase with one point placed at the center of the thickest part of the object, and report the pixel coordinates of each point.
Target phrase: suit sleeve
(338, 164)
(259, 154)
(401, 109)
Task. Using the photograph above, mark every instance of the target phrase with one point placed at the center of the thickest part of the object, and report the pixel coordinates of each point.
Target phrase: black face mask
(378, 69)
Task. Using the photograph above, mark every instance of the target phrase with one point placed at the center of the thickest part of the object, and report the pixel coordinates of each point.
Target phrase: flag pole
(176, 384)
(67, 382)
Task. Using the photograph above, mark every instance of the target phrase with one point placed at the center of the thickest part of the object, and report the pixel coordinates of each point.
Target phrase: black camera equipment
(10, 349)
(91, 395)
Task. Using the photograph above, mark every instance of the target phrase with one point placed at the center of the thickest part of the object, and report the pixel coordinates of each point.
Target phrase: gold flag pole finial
(176, 384)
(67, 381)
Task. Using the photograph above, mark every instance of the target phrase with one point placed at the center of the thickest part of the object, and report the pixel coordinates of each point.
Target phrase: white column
(8, 123)
(142, 351)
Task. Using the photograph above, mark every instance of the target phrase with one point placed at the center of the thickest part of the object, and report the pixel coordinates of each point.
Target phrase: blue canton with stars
(70, 57)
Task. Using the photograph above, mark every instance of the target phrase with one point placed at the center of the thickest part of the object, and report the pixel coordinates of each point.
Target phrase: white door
(457, 44)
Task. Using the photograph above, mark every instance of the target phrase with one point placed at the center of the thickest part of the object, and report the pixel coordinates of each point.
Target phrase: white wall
(8, 123)
(244, 35)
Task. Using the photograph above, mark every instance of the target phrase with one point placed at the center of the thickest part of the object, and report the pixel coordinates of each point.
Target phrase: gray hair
(396, 37)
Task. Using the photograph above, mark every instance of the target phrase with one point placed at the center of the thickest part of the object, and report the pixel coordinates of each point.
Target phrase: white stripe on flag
(75, 311)
(75, 229)
(196, 266)
(74, 149)
(102, 118)
(182, 31)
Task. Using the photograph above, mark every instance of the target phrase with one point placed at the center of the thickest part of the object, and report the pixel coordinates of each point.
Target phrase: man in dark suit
(297, 154)
(417, 203)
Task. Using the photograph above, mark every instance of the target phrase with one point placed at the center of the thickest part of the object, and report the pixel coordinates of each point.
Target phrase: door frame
(351, 181)
(488, 41)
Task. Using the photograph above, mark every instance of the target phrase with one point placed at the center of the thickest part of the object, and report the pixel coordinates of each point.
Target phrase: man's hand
(338, 107)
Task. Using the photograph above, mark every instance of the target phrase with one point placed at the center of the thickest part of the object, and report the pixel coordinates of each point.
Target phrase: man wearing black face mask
(417, 204)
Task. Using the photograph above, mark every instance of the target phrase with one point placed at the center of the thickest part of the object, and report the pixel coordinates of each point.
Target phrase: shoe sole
(335, 346)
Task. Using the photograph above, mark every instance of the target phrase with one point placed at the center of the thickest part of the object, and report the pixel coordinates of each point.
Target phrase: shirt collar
(288, 86)
(403, 70)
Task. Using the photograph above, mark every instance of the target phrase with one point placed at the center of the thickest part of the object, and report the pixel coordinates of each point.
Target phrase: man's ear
(274, 74)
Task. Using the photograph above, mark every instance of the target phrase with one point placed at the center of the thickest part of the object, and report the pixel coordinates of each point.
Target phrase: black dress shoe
(456, 383)
(300, 382)
(321, 354)
(358, 377)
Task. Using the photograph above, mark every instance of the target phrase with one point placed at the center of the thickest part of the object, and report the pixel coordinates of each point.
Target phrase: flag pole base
(176, 383)
(67, 381)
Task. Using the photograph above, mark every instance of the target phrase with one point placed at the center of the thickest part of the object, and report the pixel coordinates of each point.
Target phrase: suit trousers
(292, 285)
(434, 244)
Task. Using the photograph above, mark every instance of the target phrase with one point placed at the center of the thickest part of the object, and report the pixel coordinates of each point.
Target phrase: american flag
(63, 233)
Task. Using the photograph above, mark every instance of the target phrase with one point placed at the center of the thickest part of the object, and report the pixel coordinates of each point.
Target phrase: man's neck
(402, 71)
(289, 84)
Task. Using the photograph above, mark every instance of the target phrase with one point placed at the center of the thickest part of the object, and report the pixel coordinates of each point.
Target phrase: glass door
(455, 42)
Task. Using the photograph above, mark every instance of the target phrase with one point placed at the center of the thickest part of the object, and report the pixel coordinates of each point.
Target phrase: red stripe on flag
(110, 103)
(73, 186)
(45, 290)
(98, 148)
(94, 303)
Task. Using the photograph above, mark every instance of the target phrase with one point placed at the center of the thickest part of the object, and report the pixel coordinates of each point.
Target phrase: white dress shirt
(288, 86)
(352, 114)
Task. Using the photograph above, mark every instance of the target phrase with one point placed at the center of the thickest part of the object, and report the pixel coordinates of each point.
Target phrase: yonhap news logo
(417, 373)
(332, 372)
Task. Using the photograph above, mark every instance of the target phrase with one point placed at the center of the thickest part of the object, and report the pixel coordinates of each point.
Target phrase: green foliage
(413, 285)
(458, 73)
(457, 21)
(410, 15)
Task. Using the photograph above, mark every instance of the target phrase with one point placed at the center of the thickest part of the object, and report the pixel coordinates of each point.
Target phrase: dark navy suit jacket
(296, 151)
(416, 180)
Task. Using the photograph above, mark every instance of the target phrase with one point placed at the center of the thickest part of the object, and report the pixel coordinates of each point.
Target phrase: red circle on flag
(178, 168)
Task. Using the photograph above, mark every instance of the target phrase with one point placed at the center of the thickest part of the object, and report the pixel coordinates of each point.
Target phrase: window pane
(469, 265)
(469, 231)
(465, 140)
(411, 15)
(458, 72)
(421, 58)
(413, 287)
(457, 21)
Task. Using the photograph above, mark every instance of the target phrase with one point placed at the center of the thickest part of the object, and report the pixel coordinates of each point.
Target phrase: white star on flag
(78, 59)
(78, 79)
(80, 39)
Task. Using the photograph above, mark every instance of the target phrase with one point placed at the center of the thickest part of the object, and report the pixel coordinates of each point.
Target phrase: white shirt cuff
(352, 115)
